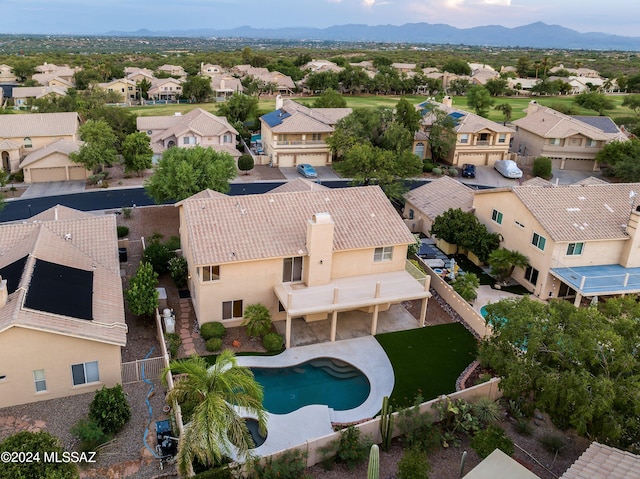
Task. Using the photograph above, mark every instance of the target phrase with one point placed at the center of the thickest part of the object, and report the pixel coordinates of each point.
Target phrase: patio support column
(374, 320)
(334, 325)
(423, 311)
(576, 303)
(287, 333)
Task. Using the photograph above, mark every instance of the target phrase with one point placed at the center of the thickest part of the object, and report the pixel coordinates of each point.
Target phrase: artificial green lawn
(427, 361)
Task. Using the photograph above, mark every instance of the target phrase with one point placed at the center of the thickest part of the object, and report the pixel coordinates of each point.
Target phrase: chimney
(279, 102)
(317, 270)
(532, 107)
(447, 101)
(4, 292)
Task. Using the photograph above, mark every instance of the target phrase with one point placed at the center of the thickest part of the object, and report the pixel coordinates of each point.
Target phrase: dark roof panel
(603, 123)
(13, 273)
(275, 117)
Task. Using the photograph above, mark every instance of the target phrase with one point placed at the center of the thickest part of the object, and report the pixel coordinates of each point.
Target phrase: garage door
(556, 163)
(579, 165)
(317, 159)
(285, 160)
(472, 158)
(38, 175)
(77, 173)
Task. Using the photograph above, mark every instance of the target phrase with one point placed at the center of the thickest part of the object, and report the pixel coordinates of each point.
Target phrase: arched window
(28, 143)
(419, 150)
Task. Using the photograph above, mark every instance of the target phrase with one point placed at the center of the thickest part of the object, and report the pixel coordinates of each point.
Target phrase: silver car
(508, 168)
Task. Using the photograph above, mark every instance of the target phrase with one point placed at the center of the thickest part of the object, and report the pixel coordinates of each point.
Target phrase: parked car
(468, 171)
(306, 170)
(508, 168)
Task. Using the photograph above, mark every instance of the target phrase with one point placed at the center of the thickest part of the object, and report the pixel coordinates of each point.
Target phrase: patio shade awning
(601, 280)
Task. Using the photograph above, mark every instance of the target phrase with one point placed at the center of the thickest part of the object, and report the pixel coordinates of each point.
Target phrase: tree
(633, 102)
(142, 295)
(330, 99)
(459, 86)
(466, 285)
(197, 88)
(239, 108)
(32, 443)
(183, 172)
(504, 261)
(523, 66)
(479, 99)
(459, 67)
(621, 159)
(442, 135)
(110, 409)
(594, 101)
(98, 149)
(407, 115)
(143, 87)
(506, 110)
(137, 153)
(363, 125)
(462, 228)
(121, 121)
(215, 428)
(496, 86)
(245, 163)
(577, 364)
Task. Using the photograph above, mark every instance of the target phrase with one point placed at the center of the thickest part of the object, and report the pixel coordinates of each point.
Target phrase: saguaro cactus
(373, 471)
(386, 423)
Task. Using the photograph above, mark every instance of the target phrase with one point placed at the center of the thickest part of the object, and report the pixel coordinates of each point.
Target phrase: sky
(100, 16)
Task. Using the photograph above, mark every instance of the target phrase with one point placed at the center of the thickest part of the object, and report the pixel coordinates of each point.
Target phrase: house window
(554, 141)
(592, 143)
(464, 138)
(316, 136)
(232, 309)
(382, 254)
(411, 214)
(40, 380)
(538, 241)
(122, 90)
(518, 224)
(226, 138)
(531, 275)
(575, 249)
(496, 216)
(419, 150)
(84, 373)
(292, 269)
(502, 138)
(28, 143)
(189, 140)
(130, 88)
(211, 273)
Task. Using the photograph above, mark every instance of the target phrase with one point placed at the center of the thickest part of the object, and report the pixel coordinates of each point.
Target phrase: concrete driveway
(53, 188)
(324, 173)
(488, 176)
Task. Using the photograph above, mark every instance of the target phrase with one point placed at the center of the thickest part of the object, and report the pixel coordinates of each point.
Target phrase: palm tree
(504, 261)
(466, 285)
(216, 428)
(506, 110)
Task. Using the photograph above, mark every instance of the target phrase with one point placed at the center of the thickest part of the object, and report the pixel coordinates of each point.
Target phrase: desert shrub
(427, 166)
(523, 427)
(212, 330)
(488, 440)
(158, 255)
(90, 434)
(453, 172)
(173, 342)
(290, 465)
(418, 430)
(352, 448)
(273, 342)
(483, 378)
(486, 410)
(126, 212)
(122, 231)
(542, 167)
(110, 409)
(553, 443)
(257, 319)
(413, 464)
(178, 270)
(33, 442)
(213, 344)
(18, 177)
(437, 171)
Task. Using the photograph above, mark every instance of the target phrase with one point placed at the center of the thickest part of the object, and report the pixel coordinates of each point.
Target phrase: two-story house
(198, 127)
(126, 89)
(168, 89)
(62, 323)
(295, 134)
(6, 74)
(225, 85)
(571, 142)
(173, 70)
(582, 240)
(478, 141)
(309, 254)
(23, 96)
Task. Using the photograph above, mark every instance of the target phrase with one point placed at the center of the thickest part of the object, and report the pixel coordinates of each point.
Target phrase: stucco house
(478, 141)
(49, 74)
(303, 254)
(225, 85)
(582, 240)
(174, 71)
(210, 69)
(23, 134)
(139, 74)
(52, 163)
(62, 323)
(126, 88)
(198, 127)
(169, 89)
(24, 96)
(425, 203)
(6, 74)
(571, 142)
(295, 134)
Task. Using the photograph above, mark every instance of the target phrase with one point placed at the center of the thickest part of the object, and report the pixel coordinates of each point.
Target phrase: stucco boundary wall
(371, 428)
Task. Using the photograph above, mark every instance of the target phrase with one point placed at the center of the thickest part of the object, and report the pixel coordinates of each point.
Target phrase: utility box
(162, 299)
(169, 321)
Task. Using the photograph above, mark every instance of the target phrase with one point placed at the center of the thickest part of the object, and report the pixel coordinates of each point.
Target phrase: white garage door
(471, 158)
(577, 164)
(285, 160)
(317, 159)
(77, 173)
(38, 175)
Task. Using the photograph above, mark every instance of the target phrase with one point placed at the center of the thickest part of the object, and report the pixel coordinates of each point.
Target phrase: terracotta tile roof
(592, 180)
(299, 184)
(466, 122)
(580, 212)
(36, 91)
(537, 181)
(9, 145)
(604, 462)
(273, 225)
(436, 197)
(76, 240)
(61, 146)
(46, 78)
(38, 124)
(298, 118)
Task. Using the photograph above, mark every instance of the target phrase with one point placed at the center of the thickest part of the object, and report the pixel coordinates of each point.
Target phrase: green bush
(126, 212)
(110, 409)
(273, 342)
(437, 171)
(35, 442)
(418, 430)
(173, 243)
(178, 271)
(173, 342)
(257, 319)
(427, 166)
(290, 465)
(213, 344)
(488, 440)
(413, 464)
(122, 231)
(352, 448)
(523, 427)
(90, 434)
(486, 410)
(542, 167)
(158, 255)
(553, 443)
(17, 177)
(212, 329)
(453, 172)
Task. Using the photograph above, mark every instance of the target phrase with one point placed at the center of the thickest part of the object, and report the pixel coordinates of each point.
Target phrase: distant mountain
(535, 35)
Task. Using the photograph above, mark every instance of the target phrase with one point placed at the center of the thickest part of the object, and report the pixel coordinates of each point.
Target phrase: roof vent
(67, 237)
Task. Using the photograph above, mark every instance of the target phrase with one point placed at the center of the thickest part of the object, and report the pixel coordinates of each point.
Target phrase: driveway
(324, 173)
(488, 176)
(53, 188)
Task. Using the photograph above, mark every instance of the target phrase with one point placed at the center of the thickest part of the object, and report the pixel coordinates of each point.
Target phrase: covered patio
(601, 280)
(373, 293)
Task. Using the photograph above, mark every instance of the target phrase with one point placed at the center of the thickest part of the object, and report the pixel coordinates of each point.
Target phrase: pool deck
(288, 430)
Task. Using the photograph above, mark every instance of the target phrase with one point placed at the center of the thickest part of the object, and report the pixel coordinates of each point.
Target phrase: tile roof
(299, 184)
(61, 146)
(466, 122)
(36, 91)
(38, 124)
(604, 462)
(436, 197)
(76, 240)
(296, 118)
(580, 212)
(273, 225)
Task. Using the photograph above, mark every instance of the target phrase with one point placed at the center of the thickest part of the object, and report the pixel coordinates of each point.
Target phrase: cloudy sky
(99, 16)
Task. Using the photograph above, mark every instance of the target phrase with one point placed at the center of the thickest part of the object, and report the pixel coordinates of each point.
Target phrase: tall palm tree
(216, 428)
(506, 110)
(504, 261)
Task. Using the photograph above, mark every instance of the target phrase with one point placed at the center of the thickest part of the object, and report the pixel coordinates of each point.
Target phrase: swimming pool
(500, 321)
(328, 381)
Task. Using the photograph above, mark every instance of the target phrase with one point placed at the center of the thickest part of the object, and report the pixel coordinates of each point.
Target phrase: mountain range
(534, 35)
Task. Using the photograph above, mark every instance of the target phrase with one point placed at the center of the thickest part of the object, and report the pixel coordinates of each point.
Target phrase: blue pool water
(328, 381)
(483, 312)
